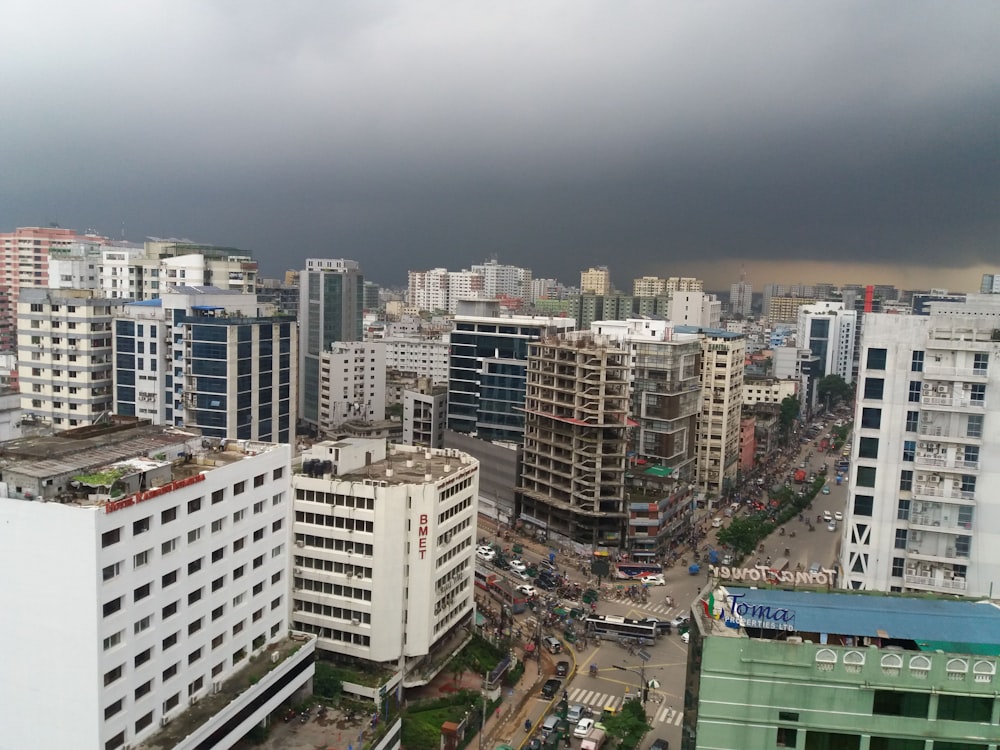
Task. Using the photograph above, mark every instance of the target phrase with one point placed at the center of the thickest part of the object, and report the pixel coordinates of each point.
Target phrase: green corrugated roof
(659, 471)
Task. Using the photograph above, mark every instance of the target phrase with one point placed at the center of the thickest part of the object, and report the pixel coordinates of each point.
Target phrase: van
(552, 645)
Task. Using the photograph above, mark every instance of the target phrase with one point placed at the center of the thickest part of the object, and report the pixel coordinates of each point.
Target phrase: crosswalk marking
(594, 699)
(669, 715)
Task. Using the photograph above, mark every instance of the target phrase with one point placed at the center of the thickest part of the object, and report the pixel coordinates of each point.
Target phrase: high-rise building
(827, 329)
(487, 369)
(425, 414)
(504, 281)
(331, 308)
(148, 568)
(65, 359)
(990, 284)
(385, 545)
(576, 439)
(596, 280)
(648, 286)
(76, 266)
(683, 284)
(741, 298)
(353, 378)
(776, 667)
(925, 453)
(698, 309)
(722, 360)
(24, 264)
(207, 358)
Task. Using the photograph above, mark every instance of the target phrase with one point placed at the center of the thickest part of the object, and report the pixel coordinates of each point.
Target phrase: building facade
(741, 299)
(384, 550)
(65, 360)
(165, 612)
(331, 308)
(922, 515)
(828, 329)
(596, 280)
(425, 414)
(352, 384)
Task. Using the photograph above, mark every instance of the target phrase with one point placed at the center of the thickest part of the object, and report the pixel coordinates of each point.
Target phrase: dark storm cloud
(556, 135)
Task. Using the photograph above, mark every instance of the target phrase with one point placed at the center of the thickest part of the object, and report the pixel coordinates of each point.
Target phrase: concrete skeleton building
(165, 610)
(840, 671)
(384, 551)
(923, 514)
(575, 439)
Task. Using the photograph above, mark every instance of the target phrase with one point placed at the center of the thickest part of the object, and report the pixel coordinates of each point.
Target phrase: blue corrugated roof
(146, 303)
(925, 621)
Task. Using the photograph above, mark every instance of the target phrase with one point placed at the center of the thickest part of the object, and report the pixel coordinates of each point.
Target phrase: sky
(793, 141)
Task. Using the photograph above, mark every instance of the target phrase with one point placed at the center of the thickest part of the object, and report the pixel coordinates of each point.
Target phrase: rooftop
(919, 623)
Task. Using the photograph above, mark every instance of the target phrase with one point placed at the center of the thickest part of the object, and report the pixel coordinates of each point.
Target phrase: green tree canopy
(629, 724)
(742, 534)
(788, 414)
(835, 388)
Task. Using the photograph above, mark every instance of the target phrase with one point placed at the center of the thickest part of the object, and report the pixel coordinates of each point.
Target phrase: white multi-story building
(76, 266)
(65, 356)
(384, 550)
(768, 390)
(352, 383)
(425, 413)
(827, 329)
(148, 569)
(421, 356)
(740, 298)
(923, 513)
(504, 281)
(694, 308)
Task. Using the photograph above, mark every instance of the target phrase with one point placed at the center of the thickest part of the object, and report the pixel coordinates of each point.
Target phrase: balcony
(938, 372)
(951, 402)
(939, 461)
(934, 583)
(934, 523)
(932, 491)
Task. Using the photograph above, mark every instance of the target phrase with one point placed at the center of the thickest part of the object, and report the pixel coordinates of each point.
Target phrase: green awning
(659, 471)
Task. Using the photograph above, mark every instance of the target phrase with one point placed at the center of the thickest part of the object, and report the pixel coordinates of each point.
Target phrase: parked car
(827, 516)
(544, 583)
(716, 523)
(551, 687)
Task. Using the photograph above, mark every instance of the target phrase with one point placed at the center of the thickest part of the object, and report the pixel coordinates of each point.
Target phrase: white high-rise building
(827, 329)
(385, 546)
(352, 383)
(740, 298)
(148, 568)
(695, 308)
(421, 356)
(504, 281)
(924, 480)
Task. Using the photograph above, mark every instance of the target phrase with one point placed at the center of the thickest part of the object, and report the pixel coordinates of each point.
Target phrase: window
(906, 480)
(195, 626)
(980, 363)
(218, 612)
(258, 561)
(239, 488)
(868, 447)
(863, 505)
(258, 481)
(239, 599)
(968, 483)
(167, 674)
(874, 388)
(911, 421)
(977, 393)
(909, 449)
(111, 571)
(168, 515)
(218, 496)
(218, 554)
(170, 641)
(113, 640)
(194, 656)
(218, 583)
(278, 498)
(276, 552)
(114, 674)
(195, 595)
(275, 577)
(865, 476)
(113, 606)
(917, 362)
(194, 535)
(217, 526)
(141, 526)
(239, 572)
(141, 592)
(169, 546)
(275, 603)
(974, 426)
(143, 656)
(113, 708)
(913, 395)
(170, 610)
(111, 537)
(194, 566)
(258, 535)
(787, 737)
(900, 542)
(239, 544)
(276, 526)
(876, 359)
(901, 703)
(898, 563)
(144, 721)
(238, 627)
(871, 418)
(278, 473)
(194, 505)
(141, 559)
(239, 515)
(258, 507)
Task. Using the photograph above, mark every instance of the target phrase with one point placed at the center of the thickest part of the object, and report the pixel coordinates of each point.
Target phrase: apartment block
(352, 384)
(425, 414)
(923, 481)
(148, 569)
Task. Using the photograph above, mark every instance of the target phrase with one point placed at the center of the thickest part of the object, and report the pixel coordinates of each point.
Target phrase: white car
(527, 590)
(517, 566)
(839, 516)
(486, 553)
(583, 728)
(654, 579)
(522, 576)
(686, 636)
(832, 526)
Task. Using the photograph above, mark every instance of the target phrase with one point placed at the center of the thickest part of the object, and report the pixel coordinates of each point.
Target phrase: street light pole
(642, 679)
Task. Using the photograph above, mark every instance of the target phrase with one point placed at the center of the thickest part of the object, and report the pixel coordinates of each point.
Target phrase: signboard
(766, 574)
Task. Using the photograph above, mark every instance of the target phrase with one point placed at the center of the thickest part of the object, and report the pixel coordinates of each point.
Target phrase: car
(562, 669)
(660, 744)
(832, 526)
(527, 590)
(519, 576)
(583, 728)
(838, 516)
(518, 566)
(716, 523)
(551, 687)
(550, 724)
(576, 712)
(825, 490)
(680, 621)
(662, 626)
(686, 636)
(534, 744)
(484, 552)
(727, 559)
(653, 579)
(827, 516)
(544, 583)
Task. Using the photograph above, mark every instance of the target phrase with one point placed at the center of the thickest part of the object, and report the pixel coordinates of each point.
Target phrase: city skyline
(662, 138)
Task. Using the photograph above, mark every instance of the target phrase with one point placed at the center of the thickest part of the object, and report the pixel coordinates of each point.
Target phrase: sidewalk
(507, 727)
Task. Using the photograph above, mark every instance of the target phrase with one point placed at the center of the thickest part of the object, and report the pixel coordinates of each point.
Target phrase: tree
(789, 412)
(834, 388)
(629, 724)
(743, 534)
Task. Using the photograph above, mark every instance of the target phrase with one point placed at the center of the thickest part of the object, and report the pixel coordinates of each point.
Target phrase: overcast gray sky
(653, 137)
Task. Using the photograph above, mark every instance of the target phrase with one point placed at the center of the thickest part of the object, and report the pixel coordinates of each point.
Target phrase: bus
(484, 579)
(507, 595)
(612, 626)
(634, 570)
